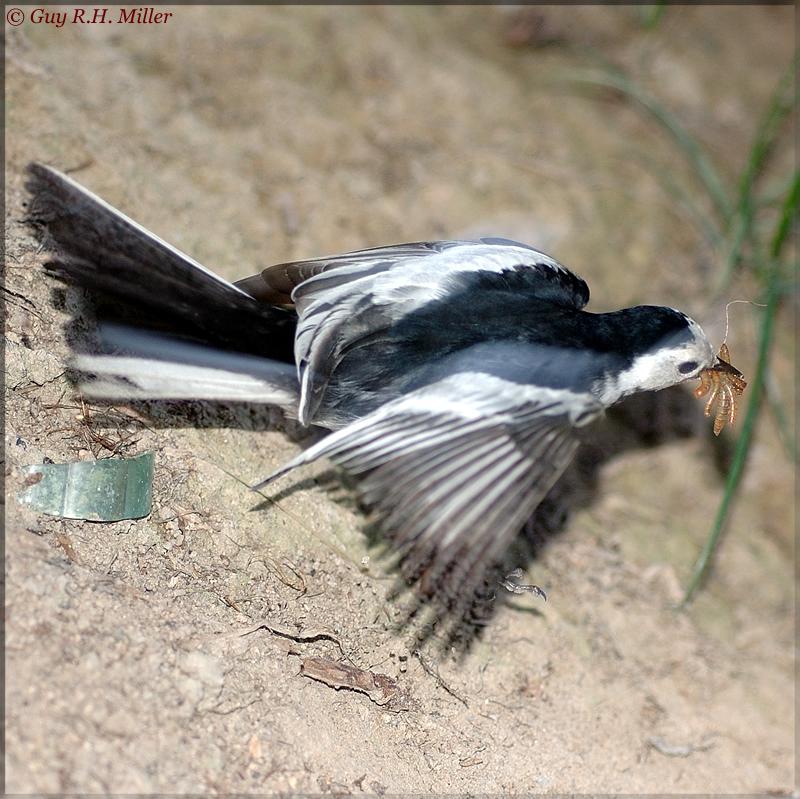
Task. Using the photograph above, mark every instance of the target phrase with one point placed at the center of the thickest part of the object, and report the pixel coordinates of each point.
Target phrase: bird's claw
(520, 588)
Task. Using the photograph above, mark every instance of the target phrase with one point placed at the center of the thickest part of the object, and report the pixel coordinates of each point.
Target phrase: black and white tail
(168, 328)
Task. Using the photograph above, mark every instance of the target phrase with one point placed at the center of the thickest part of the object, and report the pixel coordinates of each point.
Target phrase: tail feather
(81, 222)
(147, 365)
(120, 377)
(132, 275)
(151, 365)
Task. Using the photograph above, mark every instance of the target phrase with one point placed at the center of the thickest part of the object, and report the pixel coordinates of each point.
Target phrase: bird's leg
(519, 588)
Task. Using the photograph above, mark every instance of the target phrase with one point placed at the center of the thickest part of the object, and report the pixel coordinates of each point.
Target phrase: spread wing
(455, 469)
(343, 300)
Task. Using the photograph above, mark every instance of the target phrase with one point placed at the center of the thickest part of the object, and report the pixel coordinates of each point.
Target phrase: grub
(725, 384)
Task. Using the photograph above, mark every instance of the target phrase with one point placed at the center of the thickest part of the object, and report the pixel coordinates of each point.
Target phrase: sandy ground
(164, 655)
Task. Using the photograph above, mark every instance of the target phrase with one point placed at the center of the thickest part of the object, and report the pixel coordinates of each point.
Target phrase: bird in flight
(453, 376)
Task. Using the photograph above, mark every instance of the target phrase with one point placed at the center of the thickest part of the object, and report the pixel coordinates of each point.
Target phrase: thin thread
(733, 302)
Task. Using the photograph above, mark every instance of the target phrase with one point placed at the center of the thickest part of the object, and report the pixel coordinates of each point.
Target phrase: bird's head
(666, 346)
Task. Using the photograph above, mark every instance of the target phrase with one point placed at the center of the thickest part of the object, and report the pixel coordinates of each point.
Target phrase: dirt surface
(181, 653)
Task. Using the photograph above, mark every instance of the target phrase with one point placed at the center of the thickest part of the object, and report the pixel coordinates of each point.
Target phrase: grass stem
(788, 216)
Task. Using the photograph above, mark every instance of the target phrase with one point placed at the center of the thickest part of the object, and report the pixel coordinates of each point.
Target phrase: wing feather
(276, 283)
(453, 480)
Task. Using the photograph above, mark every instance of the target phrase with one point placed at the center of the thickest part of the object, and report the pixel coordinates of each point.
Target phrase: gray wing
(276, 283)
(344, 300)
(456, 468)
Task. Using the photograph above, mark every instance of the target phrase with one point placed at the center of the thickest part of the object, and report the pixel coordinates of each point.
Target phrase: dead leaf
(65, 542)
(378, 687)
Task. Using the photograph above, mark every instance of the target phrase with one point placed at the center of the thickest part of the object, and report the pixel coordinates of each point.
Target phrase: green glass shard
(106, 490)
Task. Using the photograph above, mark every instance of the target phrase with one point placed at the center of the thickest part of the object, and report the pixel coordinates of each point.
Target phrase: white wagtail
(452, 374)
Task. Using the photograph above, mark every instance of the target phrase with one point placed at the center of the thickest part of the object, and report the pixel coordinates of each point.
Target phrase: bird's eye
(688, 366)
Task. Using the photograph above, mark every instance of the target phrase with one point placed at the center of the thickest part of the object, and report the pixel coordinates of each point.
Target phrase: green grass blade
(787, 220)
(740, 454)
(788, 217)
(774, 194)
(691, 149)
(780, 105)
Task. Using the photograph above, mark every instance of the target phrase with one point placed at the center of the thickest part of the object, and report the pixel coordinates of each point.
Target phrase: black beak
(724, 366)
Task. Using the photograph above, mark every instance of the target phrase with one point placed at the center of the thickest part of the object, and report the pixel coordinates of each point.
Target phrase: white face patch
(660, 368)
